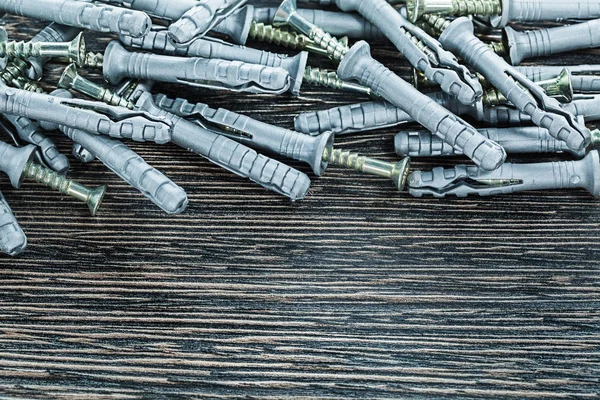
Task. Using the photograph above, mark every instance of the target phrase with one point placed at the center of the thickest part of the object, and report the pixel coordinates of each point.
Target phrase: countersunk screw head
(284, 12)
(400, 173)
(68, 77)
(95, 199)
(415, 9)
(77, 50)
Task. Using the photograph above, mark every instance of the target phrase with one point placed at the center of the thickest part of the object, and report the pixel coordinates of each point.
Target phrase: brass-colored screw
(458, 8)
(398, 172)
(92, 197)
(71, 79)
(74, 50)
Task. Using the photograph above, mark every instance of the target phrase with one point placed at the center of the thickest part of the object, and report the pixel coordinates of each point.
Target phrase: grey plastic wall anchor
(358, 64)
(519, 140)
(584, 78)
(337, 24)
(201, 18)
(52, 33)
(158, 40)
(82, 14)
(367, 116)
(352, 118)
(420, 49)
(463, 180)
(253, 133)
(163, 9)
(31, 132)
(13, 161)
(588, 108)
(525, 95)
(545, 42)
(505, 116)
(82, 154)
(231, 155)
(545, 10)
(133, 169)
(197, 72)
(237, 25)
(94, 117)
(12, 238)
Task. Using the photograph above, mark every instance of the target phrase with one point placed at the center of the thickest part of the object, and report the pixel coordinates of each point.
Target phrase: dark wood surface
(356, 292)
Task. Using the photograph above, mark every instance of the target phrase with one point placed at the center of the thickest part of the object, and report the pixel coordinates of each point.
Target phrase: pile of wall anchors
(534, 109)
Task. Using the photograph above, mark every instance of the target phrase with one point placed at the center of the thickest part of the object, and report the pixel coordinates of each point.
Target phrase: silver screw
(287, 14)
(74, 50)
(416, 8)
(71, 79)
(93, 60)
(92, 197)
(291, 40)
(14, 75)
(327, 78)
(398, 172)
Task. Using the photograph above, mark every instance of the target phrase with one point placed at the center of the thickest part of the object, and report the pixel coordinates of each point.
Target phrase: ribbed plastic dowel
(55, 110)
(461, 180)
(12, 238)
(459, 37)
(198, 72)
(358, 64)
(233, 156)
(394, 26)
(82, 14)
(133, 169)
(158, 40)
(516, 140)
(257, 134)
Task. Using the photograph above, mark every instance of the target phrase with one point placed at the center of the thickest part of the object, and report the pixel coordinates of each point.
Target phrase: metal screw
(93, 60)
(74, 50)
(71, 79)
(398, 172)
(13, 75)
(436, 23)
(92, 197)
(327, 78)
(416, 8)
(17, 164)
(270, 34)
(287, 14)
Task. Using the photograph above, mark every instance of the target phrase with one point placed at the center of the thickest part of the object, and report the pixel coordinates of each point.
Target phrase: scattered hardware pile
(536, 105)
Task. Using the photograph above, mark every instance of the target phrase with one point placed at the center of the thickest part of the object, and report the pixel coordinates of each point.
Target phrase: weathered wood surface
(355, 292)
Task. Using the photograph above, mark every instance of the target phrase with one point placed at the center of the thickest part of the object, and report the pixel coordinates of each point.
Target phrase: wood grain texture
(356, 292)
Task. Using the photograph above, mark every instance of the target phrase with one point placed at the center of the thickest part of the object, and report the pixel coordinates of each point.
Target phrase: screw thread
(13, 75)
(498, 48)
(47, 177)
(270, 34)
(344, 158)
(14, 49)
(94, 60)
(476, 7)
(113, 99)
(437, 23)
(493, 97)
(336, 49)
(421, 46)
(322, 77)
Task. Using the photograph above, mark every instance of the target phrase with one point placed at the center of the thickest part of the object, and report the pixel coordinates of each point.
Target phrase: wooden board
(356, 292)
